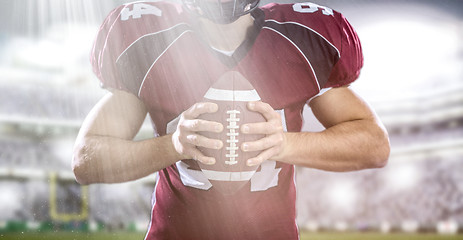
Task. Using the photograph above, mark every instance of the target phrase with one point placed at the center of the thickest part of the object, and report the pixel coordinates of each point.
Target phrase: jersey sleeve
(123, 52)
(323, 36)
(103, 54)
(347, 69)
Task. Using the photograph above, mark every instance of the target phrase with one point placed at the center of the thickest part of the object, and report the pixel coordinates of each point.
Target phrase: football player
(161, 57)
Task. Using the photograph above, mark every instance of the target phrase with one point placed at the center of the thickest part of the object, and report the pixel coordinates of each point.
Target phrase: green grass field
(304, 236)
(72, 236)
(376, 236)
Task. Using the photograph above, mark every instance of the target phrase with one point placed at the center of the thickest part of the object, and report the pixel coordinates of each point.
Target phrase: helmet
(221, 11)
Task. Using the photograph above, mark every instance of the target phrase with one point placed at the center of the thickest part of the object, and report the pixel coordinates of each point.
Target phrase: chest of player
(187, 68)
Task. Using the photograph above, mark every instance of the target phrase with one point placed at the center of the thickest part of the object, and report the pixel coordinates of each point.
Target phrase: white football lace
(232, 140)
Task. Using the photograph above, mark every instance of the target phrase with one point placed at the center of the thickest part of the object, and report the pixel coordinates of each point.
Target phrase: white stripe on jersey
(228, 176)
(165, 50)
(322, 91)
(230, 95)
(153, 204)
(272, 20)
(146, 35)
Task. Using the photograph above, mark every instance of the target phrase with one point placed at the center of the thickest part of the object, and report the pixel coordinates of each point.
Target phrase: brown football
(231, 92)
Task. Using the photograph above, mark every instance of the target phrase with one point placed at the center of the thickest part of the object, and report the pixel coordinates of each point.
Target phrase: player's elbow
(380, 159)
(79, 173)
(379, 150)
(81, 163)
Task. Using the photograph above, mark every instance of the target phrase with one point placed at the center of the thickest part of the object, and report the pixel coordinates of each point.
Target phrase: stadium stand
(45, 102)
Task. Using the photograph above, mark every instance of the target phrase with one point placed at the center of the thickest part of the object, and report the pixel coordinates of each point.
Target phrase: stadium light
(343, 194)
(10, 201)
(447, 227)
(403, 176)
(62, 148)
(408, 57)
(61, 48)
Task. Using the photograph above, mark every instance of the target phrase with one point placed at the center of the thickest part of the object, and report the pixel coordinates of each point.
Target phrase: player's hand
(186, 138)
(273, 143)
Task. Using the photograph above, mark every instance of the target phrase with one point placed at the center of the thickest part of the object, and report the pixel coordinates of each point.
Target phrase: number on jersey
(309, 7)
(138, 10)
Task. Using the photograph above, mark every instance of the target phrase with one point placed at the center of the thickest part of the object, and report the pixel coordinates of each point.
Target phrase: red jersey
(292, 52)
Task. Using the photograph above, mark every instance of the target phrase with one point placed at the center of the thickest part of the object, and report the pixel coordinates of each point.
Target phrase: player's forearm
(348, 146)
(101, 159)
